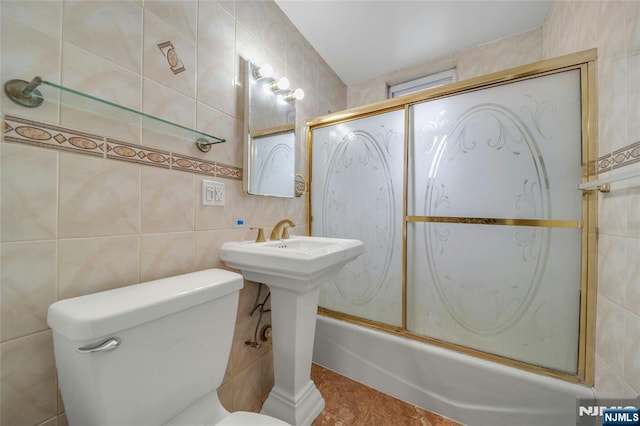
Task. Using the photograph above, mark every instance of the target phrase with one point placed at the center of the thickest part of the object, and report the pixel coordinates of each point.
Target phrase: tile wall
(613, 27)
(90, 203)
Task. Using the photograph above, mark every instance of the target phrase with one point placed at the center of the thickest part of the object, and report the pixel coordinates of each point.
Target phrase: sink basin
(305, 245)
(297, 263)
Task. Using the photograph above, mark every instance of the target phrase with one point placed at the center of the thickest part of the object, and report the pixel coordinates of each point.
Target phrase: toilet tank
(175, 337)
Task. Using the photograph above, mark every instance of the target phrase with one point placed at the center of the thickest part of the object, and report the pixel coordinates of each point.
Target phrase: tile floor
(349, 403)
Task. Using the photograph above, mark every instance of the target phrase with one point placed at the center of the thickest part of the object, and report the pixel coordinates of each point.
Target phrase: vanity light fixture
(264, 71)
(297, 95)
(280, 86)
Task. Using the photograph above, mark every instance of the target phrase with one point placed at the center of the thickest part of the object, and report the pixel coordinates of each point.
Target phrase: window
(422, 83)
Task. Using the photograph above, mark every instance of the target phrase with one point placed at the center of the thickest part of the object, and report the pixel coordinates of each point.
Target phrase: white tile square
(98, 197)
(610, 333)
(90, 265)
(165, 255)
(612, 268)
(28, 286)
(29, 394)
(631, 372)
(180, 14)
(167, 201)
(109, 29)
(28, 191)
(43, 16)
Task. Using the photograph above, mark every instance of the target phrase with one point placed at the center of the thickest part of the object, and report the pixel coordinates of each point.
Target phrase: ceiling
(363, 39)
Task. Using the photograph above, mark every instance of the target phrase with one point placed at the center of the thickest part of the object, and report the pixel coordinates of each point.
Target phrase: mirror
(270, 116)
(272, 160)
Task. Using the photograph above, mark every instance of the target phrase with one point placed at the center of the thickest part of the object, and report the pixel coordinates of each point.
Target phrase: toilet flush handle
(107, 345)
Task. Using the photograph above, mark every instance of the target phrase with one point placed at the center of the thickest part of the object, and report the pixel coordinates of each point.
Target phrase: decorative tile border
(43, 135)
(19, 130)
(604, 164)
(124, 151)
(203, 167)
(630, 154)
(229, 172)
(193, 165)
(625, 156)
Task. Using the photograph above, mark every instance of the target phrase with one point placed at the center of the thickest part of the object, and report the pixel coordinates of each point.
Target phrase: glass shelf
(82, 101)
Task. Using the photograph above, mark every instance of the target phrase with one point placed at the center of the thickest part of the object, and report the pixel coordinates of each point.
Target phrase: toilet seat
(244, 418)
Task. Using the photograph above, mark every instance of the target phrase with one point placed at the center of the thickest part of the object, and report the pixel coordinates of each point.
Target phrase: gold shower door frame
(585, 62)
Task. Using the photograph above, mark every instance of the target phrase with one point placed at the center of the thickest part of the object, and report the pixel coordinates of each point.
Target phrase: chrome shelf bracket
(24, 93)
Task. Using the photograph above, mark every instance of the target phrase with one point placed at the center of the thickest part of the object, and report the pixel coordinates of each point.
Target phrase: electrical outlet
(212, 193)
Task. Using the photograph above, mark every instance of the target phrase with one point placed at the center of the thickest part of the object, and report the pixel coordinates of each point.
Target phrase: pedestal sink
(293, 269)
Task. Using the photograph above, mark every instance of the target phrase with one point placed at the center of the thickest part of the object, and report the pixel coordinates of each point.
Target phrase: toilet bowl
(149, 354)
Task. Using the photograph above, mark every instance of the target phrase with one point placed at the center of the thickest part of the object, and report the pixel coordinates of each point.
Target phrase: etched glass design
(493, 255)
(357, 179)
(507, 152)
(272, 159)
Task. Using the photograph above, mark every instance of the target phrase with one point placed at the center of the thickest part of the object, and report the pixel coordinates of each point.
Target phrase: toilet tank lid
(101, 314)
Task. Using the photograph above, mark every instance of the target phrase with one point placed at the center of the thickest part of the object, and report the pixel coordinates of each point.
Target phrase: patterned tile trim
(604, 164)
(625, 156)
(193, 165)
(19, 130)
(208, 168)
(125, 151)
(229, 172)
(43, 135)
(630, 154)
(34, 133)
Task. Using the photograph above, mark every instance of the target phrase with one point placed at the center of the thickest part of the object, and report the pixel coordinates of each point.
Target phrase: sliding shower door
(494, 239)
(358, 173)
(466, 198)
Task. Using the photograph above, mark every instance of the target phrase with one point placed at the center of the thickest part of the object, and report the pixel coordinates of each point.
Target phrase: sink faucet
(284, 224)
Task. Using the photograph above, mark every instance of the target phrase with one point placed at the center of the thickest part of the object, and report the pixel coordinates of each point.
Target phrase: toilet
(149, 354)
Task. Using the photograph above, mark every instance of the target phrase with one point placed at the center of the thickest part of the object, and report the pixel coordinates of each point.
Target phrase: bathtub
(470, 390)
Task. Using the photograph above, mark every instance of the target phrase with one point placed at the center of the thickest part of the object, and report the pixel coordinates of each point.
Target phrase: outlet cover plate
(212, 193)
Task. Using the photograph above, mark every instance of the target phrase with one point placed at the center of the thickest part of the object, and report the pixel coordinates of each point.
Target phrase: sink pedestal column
(294, 269)
(294, 397)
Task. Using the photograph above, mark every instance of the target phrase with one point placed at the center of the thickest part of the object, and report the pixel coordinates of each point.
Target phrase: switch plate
(212, 193)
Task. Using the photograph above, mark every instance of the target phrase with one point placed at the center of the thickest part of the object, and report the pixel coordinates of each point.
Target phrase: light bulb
(282, 84)
(265, 71)
(297, 95)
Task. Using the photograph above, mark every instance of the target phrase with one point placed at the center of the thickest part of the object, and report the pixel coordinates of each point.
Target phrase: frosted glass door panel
(512, 151)
(505, 290)
(356, 192)
(495, 155)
